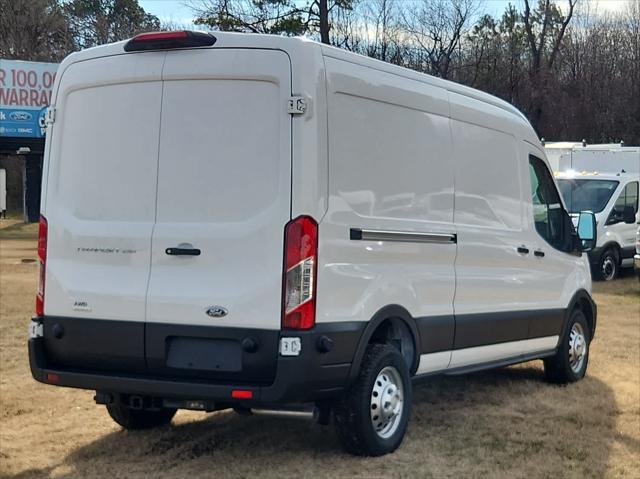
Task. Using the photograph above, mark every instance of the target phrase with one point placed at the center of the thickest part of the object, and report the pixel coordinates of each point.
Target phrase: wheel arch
(611, 244)
(385, 323)
(582, 300)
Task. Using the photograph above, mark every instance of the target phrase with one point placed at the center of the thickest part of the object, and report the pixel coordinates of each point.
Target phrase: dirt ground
(504, 423)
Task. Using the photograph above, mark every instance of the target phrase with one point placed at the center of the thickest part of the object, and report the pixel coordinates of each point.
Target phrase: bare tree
(95, 22)
(287, 17)
(436, 27)
(323, 20)
(33, 30)
(545, 27)
(383, 27)
(268, 16)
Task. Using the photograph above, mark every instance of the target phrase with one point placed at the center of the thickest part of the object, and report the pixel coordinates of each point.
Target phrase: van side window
(548, 213)
(628, 197)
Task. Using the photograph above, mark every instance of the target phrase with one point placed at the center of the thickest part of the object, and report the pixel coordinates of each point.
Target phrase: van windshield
(586, 195)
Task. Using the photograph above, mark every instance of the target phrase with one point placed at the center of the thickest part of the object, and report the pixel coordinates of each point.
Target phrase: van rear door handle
(523, 250)
(183, 251)
(539, 253)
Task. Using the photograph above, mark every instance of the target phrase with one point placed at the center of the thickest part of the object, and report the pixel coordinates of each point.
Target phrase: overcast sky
(176, 11)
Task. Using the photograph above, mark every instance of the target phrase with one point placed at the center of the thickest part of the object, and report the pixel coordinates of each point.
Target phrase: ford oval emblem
(217, 311)
(20, 116)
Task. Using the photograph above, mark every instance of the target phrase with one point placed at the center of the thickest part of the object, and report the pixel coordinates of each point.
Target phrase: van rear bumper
(304, 378)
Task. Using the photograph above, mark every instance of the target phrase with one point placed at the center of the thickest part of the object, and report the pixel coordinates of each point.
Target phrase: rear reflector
(241, 394)
(53, 378)
(169, 40)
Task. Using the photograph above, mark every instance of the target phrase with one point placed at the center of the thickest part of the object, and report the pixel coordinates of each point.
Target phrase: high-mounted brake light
(300, 268)
(42, 264)
(157, 36)
(169, 40)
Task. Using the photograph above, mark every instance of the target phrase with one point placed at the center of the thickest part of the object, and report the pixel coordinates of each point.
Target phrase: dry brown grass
(504, 423)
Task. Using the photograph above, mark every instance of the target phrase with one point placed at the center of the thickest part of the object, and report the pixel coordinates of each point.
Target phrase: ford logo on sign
(217, 311)
(20, 116)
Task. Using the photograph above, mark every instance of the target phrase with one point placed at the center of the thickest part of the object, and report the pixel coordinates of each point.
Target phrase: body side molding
(481, 329)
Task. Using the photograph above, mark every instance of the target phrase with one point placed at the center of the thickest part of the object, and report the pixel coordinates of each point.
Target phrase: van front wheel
(371, 418)
(133, 419)
(569, 364)
(609, 265)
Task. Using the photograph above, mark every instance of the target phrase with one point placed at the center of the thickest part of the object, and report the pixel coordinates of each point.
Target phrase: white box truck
(603, 157)
(604, 160)
(294, 224)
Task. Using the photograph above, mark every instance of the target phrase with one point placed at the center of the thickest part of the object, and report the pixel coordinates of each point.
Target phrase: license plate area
(203, 354)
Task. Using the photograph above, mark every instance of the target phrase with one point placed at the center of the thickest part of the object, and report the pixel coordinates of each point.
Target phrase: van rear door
(223, 200)
(100, 207)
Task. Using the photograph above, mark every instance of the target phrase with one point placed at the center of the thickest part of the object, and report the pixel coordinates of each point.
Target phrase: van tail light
(169, 40)
(300, 271)
(42, 264)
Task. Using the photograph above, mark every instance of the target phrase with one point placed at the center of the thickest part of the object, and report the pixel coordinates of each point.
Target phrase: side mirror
(587, 230)
(628, 215)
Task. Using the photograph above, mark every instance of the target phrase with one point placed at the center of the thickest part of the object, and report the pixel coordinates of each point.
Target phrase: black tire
(558, 368)
(608, 265)
(352, 412)
(134, 419)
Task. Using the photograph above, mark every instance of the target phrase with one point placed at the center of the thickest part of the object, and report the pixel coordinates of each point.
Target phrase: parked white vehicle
(614, 199)
(577, 156)
(294, 224)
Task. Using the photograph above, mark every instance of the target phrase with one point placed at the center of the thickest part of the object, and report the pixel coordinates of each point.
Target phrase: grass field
(504, 423)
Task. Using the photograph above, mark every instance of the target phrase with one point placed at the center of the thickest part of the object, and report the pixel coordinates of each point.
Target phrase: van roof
(289, 44)
(340, 54)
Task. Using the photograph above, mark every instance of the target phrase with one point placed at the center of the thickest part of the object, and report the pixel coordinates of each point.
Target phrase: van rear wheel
(134, 419)
(371, 418)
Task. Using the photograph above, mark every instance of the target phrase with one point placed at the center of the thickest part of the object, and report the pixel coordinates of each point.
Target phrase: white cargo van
(613, 197)
(293, 224)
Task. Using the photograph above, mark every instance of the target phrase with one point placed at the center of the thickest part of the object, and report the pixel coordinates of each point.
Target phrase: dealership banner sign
(25, 94)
